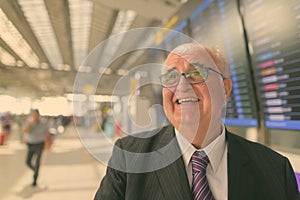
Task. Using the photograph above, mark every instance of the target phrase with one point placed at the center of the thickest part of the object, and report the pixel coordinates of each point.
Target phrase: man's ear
(228, 87)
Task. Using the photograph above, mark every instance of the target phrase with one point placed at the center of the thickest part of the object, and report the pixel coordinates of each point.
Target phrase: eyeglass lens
(197, 75)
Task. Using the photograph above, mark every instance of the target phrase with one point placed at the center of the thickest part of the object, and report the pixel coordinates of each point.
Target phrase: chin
(187, 123)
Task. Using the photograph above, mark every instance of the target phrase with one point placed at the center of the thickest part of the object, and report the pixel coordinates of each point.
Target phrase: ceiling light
(123, 22)
(105, 98)
(44, 65)
(67, 67)
(38, 18)
(86, 69)
(81, 17)
(76, 97)
(122, 72)
(11, 36)
(108, 71)
(20, 63)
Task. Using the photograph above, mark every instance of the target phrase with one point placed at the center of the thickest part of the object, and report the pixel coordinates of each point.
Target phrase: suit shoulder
(254, 149)
(143, 141)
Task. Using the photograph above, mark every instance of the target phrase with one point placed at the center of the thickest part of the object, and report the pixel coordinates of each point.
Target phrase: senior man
(195, 157)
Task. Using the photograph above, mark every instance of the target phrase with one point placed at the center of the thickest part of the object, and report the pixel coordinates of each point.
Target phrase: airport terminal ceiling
(43, 42)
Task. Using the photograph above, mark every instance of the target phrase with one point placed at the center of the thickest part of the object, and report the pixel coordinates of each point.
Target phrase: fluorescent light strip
(38, 18)
(81, 17)
(123, 22)
(11, 36)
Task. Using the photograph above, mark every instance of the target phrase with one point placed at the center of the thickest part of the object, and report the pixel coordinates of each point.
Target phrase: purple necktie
(200, 185)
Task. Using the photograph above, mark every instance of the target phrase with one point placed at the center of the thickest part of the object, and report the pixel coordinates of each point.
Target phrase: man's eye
(195, 74)
(171, 76)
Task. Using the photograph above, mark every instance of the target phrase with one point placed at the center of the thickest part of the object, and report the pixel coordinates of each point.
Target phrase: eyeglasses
(198, 74)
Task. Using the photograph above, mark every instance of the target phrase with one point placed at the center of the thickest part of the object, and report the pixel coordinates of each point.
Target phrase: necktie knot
(199, 162)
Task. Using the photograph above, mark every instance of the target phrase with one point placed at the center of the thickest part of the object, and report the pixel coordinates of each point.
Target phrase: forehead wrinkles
(174, 60)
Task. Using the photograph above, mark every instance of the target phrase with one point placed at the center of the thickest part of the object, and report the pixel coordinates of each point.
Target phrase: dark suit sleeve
(113, 185)
(291, 183)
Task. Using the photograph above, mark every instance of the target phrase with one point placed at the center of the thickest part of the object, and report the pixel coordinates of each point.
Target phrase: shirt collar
(214, 150)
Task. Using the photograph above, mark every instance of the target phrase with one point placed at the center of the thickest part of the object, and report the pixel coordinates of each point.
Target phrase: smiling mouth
(186, 100)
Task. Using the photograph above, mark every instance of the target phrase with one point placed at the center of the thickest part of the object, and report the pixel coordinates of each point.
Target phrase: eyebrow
(198, 64)
(194, 65)
(169, 70)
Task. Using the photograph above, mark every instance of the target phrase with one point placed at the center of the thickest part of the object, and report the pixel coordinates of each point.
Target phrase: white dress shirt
(216, 171)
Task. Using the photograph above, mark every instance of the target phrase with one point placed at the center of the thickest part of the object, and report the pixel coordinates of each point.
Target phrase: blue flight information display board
(275, 57)
(218, 23)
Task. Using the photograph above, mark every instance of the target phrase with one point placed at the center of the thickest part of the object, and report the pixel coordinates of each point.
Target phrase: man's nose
(183, 84)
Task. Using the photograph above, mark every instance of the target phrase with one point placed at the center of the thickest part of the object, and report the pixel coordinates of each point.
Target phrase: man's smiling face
(186, 102)
(191, 103)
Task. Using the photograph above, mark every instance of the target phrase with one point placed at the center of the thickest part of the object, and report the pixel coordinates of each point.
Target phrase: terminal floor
(68, 170)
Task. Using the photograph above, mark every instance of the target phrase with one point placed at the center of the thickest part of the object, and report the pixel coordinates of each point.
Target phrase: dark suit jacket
(254, 172)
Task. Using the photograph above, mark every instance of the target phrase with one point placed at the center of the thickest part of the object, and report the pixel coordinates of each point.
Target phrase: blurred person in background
(212, 163)
(36, 132)
(5, 129)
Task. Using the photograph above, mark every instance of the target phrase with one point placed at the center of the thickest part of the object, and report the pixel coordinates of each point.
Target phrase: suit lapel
(237, 160)
(173, 178)
(173, 181)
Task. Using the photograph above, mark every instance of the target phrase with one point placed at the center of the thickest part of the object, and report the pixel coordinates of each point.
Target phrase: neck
(205, 135)
(213, 132)
(200, 135)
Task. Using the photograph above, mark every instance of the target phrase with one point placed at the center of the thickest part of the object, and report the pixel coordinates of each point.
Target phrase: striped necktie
(201, 190)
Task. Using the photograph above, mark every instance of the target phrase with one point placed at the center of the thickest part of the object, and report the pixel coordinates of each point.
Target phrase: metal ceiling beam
(103, 19)
(151, 9)
(9, 50)
(107, 20)
(139, 22)
(112, 23)
(60, 19)
(51, 82)
(41, 82)
(13, 11)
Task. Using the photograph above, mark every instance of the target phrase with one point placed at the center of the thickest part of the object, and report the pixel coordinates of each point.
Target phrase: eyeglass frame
(199, 66)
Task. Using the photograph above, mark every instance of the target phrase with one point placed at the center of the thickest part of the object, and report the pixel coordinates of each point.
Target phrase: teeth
(189, 99)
